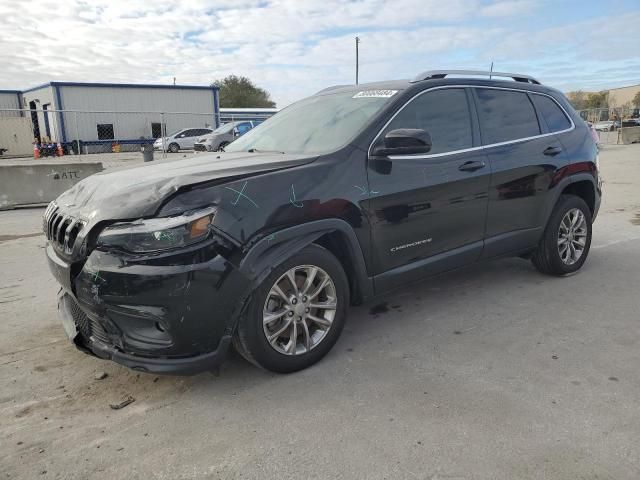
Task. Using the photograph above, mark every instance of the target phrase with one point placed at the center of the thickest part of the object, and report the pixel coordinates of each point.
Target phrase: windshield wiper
(255, 150)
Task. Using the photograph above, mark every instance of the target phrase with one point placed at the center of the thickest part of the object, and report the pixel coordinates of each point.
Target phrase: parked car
(606, 126)
(594, 134)
(181, 140)
(347, 194)
(223, 136)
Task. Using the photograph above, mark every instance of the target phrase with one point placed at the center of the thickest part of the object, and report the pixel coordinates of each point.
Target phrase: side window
(156, 130)
(444, 114)
(505, 115)
(105, 131)
(243, 128)
(551, 112)
(190, 133)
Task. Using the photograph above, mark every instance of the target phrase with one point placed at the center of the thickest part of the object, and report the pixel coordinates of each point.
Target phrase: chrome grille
(60, 229)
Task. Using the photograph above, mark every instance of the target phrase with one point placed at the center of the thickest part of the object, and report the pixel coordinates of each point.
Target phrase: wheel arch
(335, 235)
(582, 185)
(584, 189)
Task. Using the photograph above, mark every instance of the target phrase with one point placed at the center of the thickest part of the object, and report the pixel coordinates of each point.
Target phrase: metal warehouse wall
(198, 105)
(9, 99)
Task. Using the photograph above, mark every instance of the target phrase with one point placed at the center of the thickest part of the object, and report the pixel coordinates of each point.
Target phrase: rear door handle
(552, 151)
(471, 166)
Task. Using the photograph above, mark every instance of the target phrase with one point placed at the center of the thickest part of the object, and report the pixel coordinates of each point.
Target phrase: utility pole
(357, 64)
(491, 71)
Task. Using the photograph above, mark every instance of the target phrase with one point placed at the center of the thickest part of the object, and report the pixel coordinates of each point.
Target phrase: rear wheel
(297, 314)
(566, 241)
(174, 148)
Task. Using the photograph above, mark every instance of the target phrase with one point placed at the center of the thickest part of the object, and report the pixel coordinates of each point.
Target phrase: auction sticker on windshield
(375, 94)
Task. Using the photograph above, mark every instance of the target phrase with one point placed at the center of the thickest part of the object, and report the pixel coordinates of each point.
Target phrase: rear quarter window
(551, 112)
(505, 115)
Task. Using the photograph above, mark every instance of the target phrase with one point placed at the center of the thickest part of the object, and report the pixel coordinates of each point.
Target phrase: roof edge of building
(119, 85)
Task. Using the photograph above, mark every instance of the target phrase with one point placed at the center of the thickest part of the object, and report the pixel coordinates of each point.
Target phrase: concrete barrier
(35, 183)
(629, 135)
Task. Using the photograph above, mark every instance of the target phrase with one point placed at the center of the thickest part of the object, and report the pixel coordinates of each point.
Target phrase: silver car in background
(224, 135)
(180, 140)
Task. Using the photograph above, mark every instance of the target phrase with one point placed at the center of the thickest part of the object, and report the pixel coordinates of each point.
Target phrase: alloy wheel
(299, 310)
(572, 236)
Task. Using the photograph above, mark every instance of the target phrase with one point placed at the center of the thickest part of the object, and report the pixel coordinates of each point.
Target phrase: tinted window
(156, 130)
(505, 115)
(442, 113)
(243, 128)
(551, 112)
(105, 131)
(189, 133)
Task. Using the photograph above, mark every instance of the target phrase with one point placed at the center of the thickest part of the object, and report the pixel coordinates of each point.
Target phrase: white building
(9, 99)
(107, 113)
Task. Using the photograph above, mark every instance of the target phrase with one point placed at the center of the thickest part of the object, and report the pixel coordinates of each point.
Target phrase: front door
(428, 211)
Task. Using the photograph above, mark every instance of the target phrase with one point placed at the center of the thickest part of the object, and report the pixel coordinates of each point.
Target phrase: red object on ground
(36, 151)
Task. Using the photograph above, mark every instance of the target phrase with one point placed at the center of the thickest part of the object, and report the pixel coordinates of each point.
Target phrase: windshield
(226, 128)
(317, 124)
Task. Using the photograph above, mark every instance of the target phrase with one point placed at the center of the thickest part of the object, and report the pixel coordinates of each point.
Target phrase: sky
(293, 48)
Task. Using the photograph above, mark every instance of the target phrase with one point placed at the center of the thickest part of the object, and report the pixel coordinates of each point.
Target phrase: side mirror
(404, 141)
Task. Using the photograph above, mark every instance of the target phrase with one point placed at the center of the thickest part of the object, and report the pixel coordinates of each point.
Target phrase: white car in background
(606, 126)
(181, 140)
(224, 135)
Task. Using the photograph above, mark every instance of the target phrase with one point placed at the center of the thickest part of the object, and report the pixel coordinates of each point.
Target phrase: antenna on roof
(357, 59)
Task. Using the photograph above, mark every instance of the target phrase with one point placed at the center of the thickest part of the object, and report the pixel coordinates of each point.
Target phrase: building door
(47, 127)
(34, 120)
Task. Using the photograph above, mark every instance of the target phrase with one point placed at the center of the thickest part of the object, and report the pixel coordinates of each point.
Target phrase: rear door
(524, 158)
(426, 206)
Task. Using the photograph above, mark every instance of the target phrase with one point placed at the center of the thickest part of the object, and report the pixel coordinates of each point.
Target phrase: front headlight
(156, 234)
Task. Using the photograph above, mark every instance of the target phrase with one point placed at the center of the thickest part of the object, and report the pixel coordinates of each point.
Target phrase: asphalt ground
(491, 372)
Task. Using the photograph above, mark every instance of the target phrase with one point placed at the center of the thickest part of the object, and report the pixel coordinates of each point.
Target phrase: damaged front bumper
(166, 315)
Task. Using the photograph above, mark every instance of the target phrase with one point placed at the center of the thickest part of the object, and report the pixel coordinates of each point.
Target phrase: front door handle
(471, 166)
(552, 151)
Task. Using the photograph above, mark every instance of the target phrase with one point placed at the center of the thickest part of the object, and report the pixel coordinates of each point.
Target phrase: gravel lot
(491, 372)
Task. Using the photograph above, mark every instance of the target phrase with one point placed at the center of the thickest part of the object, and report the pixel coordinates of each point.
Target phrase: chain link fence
(45, 133)
(608, 121)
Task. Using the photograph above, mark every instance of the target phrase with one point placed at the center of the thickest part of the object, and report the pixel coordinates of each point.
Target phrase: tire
(551, 256)
(222, 146)
(174, 148)
(250, 339)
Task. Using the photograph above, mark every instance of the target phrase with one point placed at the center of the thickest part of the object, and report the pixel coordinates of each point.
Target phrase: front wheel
(174, 148)
(566, 241)
(297, 314)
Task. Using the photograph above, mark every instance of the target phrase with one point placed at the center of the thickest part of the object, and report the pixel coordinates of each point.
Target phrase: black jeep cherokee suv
(339, 197)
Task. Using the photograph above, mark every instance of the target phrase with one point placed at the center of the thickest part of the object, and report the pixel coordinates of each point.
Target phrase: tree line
(584, 101)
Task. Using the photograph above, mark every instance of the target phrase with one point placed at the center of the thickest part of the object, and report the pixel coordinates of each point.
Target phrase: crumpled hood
(139, 191)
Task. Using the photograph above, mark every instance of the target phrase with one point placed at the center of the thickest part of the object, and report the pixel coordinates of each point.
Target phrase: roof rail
(433, 74)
